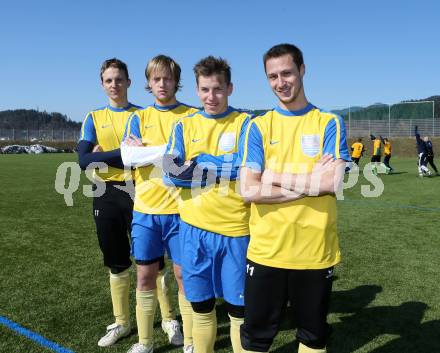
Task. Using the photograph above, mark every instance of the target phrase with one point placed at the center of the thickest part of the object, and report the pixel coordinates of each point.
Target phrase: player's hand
(97, 148)
(133, 140)
(323, 165)
(322, 177)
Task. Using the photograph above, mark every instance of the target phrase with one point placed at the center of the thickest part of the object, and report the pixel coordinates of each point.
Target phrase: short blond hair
(163, 62)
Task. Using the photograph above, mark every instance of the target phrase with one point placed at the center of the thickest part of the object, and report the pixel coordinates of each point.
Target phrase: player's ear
(302, 70)
(128, 83)
(230, 88)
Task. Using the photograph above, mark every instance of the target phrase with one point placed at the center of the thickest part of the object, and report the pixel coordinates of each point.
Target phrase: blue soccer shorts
(213, 265)
(152, 235)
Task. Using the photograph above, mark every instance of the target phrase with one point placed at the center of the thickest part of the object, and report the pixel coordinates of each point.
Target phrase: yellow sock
(166, 310)
(187, 319)
(235, 333)
(204, 332)
(304, 349)
(119, 290)
(146, 302)
(245, 351)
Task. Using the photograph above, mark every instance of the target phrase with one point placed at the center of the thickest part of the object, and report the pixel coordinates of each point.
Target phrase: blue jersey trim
(303, 111)
(88, 131)
(228, 111)
(124, 109)
(134, 123)
(179, 144)
(164, 108)
(330, 134)
(255, 151)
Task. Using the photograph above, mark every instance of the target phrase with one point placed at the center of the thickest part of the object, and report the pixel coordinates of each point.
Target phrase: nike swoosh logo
(148, 126)
(274, 142)
(196, 140)
(105, 125)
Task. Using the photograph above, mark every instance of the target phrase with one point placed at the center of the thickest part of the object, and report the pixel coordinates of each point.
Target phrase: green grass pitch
(386, 292)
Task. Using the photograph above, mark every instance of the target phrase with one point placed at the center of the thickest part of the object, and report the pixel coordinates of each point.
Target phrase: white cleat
(188, 349)
(172, 329)
(141, 348)
(114, 333)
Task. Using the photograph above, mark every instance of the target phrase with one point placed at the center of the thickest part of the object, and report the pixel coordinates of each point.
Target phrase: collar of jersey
(303, 111)
(113, 109)
(164, 108)
(217, 116)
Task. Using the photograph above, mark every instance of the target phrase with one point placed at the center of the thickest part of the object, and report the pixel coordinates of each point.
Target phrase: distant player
(357, 150)
(387, 154)
(422, 152)
(293, 241)
(430, 154)
(155, 215)
(214, 229)
(377, 153)
(101, 136)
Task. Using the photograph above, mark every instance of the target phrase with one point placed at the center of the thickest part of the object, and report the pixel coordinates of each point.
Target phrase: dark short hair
(213, 66)
(283, 49)
(161, 62)
(116, 63)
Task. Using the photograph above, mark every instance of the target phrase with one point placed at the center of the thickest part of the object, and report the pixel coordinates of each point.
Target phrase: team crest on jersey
(227, 141)
(310, 145)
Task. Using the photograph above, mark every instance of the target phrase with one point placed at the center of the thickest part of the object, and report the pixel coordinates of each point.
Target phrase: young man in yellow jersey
(293, 161)
(357, 150)
(387, 154)
(101, 136)
(155, 224)
(377, 152)
(214, 219)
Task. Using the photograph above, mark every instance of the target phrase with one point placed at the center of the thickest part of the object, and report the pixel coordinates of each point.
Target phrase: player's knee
(161, 263)
(147, 275)
(316, 339)
(236, 311)
(115, 269)
(204, 307)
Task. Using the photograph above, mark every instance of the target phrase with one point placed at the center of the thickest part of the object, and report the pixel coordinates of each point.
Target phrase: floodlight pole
(389, 120)
(349, 121)
(433, 121)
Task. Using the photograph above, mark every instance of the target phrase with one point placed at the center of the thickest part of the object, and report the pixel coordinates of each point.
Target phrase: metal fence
(354, 128)
(392, 128)
(38, 135)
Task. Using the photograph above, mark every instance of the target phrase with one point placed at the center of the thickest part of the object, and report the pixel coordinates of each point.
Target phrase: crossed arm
(271, 187)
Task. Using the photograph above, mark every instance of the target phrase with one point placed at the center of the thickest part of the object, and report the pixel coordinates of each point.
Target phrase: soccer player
(101, 136)
(387, 154)
(214, 219)
(430, 154)
(293, 163)
(377, 152)
(357, 150)
(155, 216)
(422, 153)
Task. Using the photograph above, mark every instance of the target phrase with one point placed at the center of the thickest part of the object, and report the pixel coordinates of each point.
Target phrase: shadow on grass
(395, 173)
(358, 324)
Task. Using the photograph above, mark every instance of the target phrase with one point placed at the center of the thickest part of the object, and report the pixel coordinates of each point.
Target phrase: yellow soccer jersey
(377, 144)
(300, 234)
(387, 148)
(105, 127)
(154, 125)
(357, 150)
(217, 208)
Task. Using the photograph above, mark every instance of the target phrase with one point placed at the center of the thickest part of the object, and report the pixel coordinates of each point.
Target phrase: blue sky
(356, 53)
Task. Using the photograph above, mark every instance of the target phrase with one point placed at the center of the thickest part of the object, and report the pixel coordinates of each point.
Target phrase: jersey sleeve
(132, 127)
(88, 131)
(176, 145)
(335, 141)
(251, 152)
